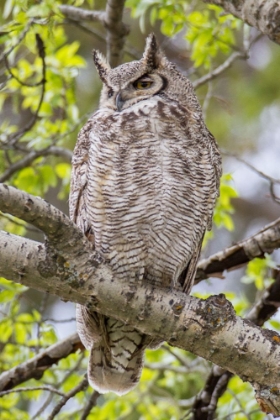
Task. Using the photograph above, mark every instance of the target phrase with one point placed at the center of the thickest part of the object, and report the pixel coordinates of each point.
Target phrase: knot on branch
(268, 399)
(177, 306)
(216, 311)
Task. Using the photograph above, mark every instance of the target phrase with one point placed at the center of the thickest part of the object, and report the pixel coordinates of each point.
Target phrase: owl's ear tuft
(152, 56)
(101, 65)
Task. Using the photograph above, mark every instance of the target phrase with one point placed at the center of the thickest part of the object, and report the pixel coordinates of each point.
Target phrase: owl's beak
(119, 101)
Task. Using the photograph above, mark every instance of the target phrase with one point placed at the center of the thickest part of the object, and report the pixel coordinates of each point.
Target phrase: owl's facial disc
(143, 88)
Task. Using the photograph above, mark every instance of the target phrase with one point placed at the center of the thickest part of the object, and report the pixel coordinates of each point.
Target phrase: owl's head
(136, 81)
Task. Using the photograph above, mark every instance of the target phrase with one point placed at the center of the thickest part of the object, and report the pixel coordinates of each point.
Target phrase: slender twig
(128, 48)
(80, 387)
(17, 223)
(59, 321)
(29, 159)
(73, 369)
(78, 14)
(220, 69)
(41, 51)
(19, 40)
(17, 79)
(177, 356)
(272, 181)
(249, 165)
(90, 404)
(35, 388)
(41, 409)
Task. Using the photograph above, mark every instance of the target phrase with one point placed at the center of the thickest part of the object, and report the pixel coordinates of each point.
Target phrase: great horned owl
(145, 179)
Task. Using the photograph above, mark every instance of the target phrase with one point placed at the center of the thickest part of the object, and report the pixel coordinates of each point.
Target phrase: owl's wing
(78, 187)
(187, 277)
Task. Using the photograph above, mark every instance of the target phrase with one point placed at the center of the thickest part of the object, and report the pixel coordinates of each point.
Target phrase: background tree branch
(112, 21)
(263, 15)
(36, 366)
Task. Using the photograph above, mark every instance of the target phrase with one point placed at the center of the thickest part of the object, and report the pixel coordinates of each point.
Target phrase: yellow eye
(139, 84)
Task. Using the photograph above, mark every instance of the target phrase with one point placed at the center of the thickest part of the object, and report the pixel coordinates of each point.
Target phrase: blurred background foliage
(49, 88)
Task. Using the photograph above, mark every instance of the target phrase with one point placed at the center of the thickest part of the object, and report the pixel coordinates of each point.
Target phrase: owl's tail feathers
(119, 375)
(116, 351)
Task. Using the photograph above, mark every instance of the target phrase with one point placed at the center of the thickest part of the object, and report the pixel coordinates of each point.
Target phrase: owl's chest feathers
(146, 193)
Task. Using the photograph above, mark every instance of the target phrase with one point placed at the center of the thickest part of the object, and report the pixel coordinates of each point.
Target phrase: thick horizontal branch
(261, 14)
(208, 328)
(265, 241)
(36, 366)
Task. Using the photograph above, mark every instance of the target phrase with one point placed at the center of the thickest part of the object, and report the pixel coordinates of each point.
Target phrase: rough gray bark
(206, 402)
(66, 266)
(263, 242)
(261, 14)
(36, 366)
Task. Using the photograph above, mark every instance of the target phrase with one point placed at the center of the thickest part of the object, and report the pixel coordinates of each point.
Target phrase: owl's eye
(110, 93)
(142, 84)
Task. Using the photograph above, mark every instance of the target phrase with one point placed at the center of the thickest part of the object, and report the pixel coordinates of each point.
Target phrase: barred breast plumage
(145, 179)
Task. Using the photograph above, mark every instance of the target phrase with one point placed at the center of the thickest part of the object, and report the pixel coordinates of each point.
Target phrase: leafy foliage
(208, 30)
(38, 96)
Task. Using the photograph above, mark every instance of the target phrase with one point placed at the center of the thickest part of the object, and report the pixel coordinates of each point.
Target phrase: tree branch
(261, 14)
(71, 270)
(206, 402)
(265, 241)
(80, 387)
(77, 14)
(111, 19)
(28, 159)
(116, 31)
(35, 367)
(215, 73)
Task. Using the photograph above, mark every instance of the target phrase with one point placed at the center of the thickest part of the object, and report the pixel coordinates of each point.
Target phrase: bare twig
(33, 388)
(249, 165)
(128, 48)
(17, 79)
(90, 404)
(29, 159)
(80, 387)
(17, 223)
(272, 181)
(12, 140)
(59, 321)
(78, 14)
(220, 69)
(18, 41)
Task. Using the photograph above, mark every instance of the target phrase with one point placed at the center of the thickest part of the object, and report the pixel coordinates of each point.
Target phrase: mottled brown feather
(145, 180)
